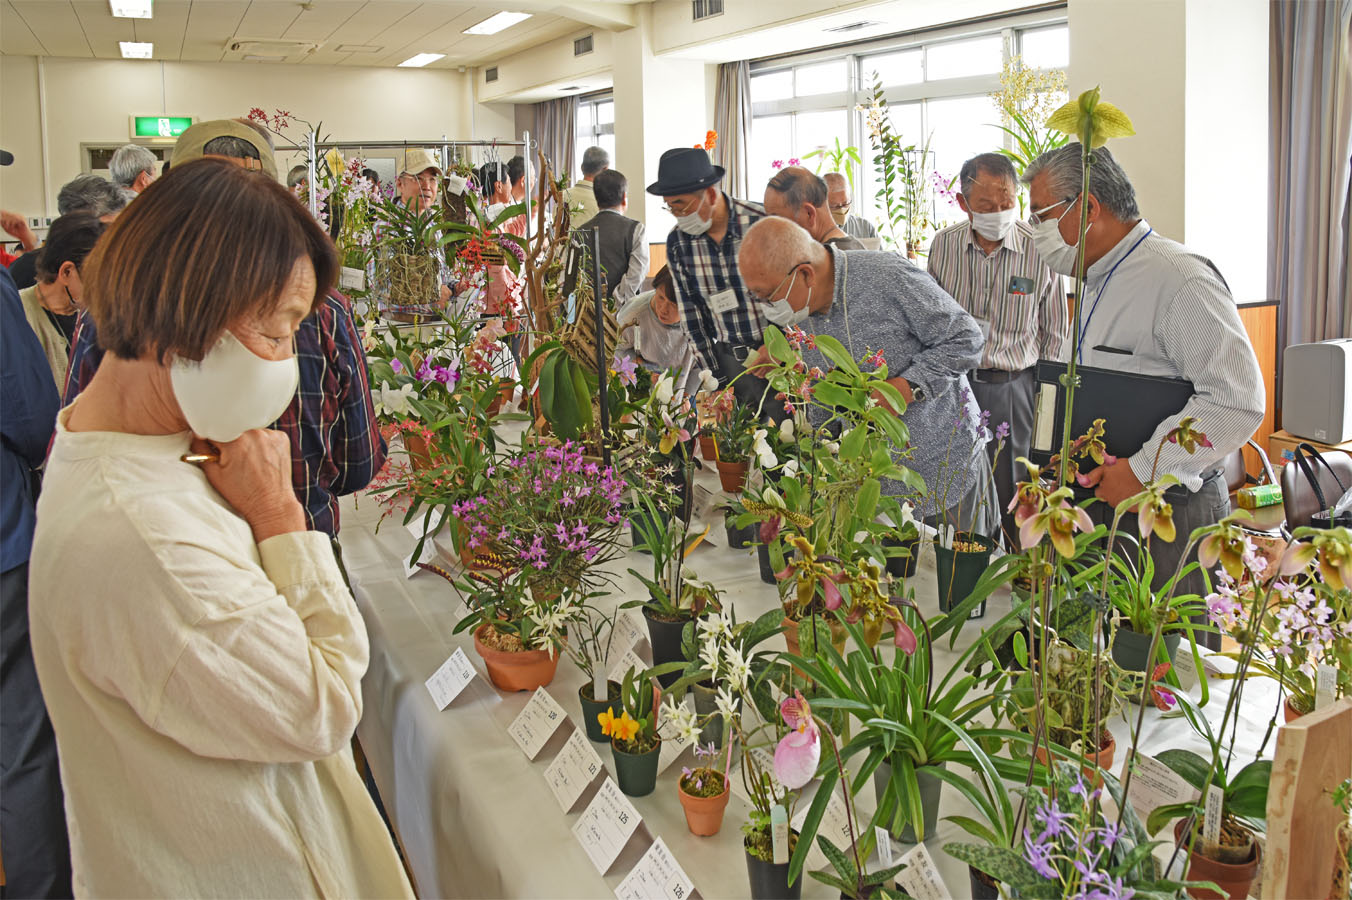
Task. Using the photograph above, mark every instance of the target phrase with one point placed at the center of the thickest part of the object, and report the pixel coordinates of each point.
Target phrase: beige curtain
(1310, 153)
(732, 121)
(555, 128)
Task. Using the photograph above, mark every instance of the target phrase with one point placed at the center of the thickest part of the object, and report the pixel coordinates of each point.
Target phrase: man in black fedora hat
(717, 312)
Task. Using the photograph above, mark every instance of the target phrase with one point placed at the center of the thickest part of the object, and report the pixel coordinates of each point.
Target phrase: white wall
(532, 74)
(91, 100)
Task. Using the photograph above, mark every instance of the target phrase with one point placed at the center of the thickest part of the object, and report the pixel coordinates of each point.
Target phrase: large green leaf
(1190, 767)
(835, 351)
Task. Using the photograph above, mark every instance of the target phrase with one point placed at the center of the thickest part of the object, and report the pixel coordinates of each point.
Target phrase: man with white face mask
(989, 265)
(877, 301)
(838, 198)
(1152, 307)
(717, 312)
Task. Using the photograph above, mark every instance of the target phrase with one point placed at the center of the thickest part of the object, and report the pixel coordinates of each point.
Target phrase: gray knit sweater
(883, 302)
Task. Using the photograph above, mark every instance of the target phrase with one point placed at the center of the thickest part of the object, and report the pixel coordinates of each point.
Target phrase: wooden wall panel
(657, 257)
(1260, 321)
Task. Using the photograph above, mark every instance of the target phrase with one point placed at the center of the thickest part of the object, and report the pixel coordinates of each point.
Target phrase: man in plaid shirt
(716, 309)
(336, 447)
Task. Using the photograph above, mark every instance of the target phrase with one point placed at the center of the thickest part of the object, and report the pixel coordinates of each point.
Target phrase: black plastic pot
(738, 538)
(593, 708)
(770, 881)
(665, 639)
(983, 886)
(959, 571)
(903, 566)
(636, 773)
(1130, 648)
(931, 790)
(767, 569)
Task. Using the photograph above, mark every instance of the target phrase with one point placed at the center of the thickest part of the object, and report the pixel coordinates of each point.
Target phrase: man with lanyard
(717, 312)
(989, 266)
(1152, 307)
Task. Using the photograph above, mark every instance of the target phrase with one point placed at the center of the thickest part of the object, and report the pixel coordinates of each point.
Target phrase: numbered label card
(537, 723)
(352, 279)
(606, 825)
(573, 770)
(921, 877)
(1154, 785)
(625, 663)
(835, 824)
(1185, 667)
(656, 877)
(627, 633)
(429, 549)
(448, 681)
(1326, 686)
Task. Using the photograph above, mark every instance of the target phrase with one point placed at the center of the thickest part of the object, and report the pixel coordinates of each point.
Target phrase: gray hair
(297, 175)
(837, 179)
(90, 192)
(129, 161)
(996, 164)
(230, 147)
(799, 186)
(594, 159)
(779, 244)
(1107, 182)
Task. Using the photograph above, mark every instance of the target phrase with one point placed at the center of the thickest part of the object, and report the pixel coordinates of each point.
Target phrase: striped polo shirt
(1028, 318)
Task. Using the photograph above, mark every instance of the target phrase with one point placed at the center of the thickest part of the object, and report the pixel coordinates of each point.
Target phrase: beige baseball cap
(194, 138)
(418, 160)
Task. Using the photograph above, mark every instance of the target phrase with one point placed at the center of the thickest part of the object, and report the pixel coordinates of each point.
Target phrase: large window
(937, 87)
(595, 128)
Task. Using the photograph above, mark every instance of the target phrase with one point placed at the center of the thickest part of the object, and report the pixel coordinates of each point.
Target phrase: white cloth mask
(1055, 252)
(232, 389)
(692, 224)
(782, 313)
(994, 226)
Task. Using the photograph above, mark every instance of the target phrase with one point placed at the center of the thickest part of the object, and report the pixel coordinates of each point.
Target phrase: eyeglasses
(681, 207)
(840, 207)
(769, 298)
(1035, 217)
(424, 179)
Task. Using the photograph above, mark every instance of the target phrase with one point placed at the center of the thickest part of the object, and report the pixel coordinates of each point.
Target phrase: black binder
(1132, 405)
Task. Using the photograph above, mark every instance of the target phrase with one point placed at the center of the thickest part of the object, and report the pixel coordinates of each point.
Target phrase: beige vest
(54, 343)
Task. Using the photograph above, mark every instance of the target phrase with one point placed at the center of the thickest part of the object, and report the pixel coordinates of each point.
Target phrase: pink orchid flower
(799, 751)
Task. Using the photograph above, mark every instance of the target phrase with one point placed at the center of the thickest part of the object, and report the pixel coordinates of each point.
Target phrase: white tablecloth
(476, 818)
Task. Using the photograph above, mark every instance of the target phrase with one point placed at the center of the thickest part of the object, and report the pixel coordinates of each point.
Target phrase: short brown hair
(203, 246)
(663, 279)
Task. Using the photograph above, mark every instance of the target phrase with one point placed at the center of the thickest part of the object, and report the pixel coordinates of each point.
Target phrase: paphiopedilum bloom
(810, 571)
(1333, 548)
(799, 751)
(1226, 545)
(1187, 437)
(1091, 120)
(1059, 519)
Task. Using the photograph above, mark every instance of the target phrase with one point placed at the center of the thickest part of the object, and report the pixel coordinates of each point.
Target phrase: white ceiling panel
(210, 25)
(103, 31)
(166, 30)
(267, 20)
(16, 38)
(319, 22)
(56, 26)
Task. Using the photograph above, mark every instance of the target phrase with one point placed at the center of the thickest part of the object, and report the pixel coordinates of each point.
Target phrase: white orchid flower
(682, 718)
(664, 390)
(709, 653)
(790, 468)
(832, 447)
(739, 670)
(707, 381)
(392, 402)
(786, 430)
(761, 448)
(907, 515)
(726, 703)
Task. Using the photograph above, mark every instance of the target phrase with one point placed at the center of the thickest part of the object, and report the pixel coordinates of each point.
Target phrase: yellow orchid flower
(1092, 120)
(624, 728)
(607, 720)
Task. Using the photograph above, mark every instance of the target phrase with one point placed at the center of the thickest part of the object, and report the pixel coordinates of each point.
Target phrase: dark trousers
(1207, 506)
(32, 813)
(749, 390)
(1008, 397)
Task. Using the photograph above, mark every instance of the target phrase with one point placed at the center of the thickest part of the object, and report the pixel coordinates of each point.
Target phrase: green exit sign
(159, 126)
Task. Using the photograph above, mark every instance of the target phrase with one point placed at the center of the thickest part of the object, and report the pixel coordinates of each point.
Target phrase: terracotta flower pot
(732, 475)
(1233, 878)
(419, 454)
(703, 815)
(707, 448)
(791, 636)
(1289, 711)
(1103, 759)
(524, 670)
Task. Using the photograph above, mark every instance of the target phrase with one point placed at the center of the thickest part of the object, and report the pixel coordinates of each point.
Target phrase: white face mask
(692, 224)
(1055, 252)
(232, 389)
(994, 226)
(781, 313)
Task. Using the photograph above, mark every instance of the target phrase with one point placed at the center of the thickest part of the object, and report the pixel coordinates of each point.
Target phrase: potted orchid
(634, 740)
(734, 436)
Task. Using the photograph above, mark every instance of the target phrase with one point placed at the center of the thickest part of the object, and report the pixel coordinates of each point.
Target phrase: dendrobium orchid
(799, 751)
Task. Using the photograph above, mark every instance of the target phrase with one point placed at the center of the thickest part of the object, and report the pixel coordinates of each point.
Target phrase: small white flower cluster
(721, 656)
(391, 402)
(552, 619)
(759, 446)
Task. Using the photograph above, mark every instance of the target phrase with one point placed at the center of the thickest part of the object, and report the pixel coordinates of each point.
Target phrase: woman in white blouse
(199, 654)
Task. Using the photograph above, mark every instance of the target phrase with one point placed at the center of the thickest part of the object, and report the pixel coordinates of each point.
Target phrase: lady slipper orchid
(903, 638)
(1091, 120)
(1060, 520)
(799, 751)
(1157, 516)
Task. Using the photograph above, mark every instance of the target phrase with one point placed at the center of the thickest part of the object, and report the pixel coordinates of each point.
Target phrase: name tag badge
(985, 326)
(723, 302)
(1020, 285)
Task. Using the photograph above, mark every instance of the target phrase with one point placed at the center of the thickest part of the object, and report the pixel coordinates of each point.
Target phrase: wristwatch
(917, 393)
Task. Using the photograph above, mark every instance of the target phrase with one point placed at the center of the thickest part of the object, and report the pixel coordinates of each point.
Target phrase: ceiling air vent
(582, 45)
(853, 26)
(704, 9)
(490, 74)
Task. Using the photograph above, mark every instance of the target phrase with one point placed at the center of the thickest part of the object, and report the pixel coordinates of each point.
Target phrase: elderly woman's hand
(253, 474)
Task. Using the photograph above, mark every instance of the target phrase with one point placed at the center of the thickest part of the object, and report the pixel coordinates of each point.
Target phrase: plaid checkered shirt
(700, 269)
(336, 447)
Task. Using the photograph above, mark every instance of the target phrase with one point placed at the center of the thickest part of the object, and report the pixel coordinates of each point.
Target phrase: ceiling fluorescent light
(135, 50)
(498, 22)
(422, 59)
(131, 9)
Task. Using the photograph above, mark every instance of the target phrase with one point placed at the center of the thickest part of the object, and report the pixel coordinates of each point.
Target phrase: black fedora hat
(684, 170)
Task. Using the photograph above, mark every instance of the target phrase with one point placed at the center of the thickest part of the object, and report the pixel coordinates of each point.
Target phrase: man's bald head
(774, 249)
(835, 181)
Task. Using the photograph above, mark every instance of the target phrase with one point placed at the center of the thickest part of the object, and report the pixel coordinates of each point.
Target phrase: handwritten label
(657, 876)
(351, 279)
(1154, 784)
(705, 499)
(606, 825)
(429, 549)
(626, 633)
(884, 842)
(630, 660)
(921, 878)
(1185, 667)
(779, 834)
(1211, 825)
(835, 823)
(673, 743)
(535, 725)
(448, 681)
(764, 762)
(1326, 682)
(573, 770)
(455, 184)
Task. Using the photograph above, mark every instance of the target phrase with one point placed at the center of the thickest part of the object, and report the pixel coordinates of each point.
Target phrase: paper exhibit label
(1153, 784)
(626, 633)
(921, 878)
(450, 679)
(656, 877)
(429, 549)
(606, 825)
(455, 184)
(573, 770)
(1326, 684)
(351, 279)
(535, 725)
(884, 842)
(625, 663)
(1211, 825)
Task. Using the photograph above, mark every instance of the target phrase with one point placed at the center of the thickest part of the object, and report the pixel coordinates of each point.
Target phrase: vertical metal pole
(602, 364)
(312, 163)
(526, 155)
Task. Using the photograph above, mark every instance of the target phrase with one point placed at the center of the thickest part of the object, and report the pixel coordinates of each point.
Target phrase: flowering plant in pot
(517, 629)
(634, 740)
(734, 436)
(588, 646)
